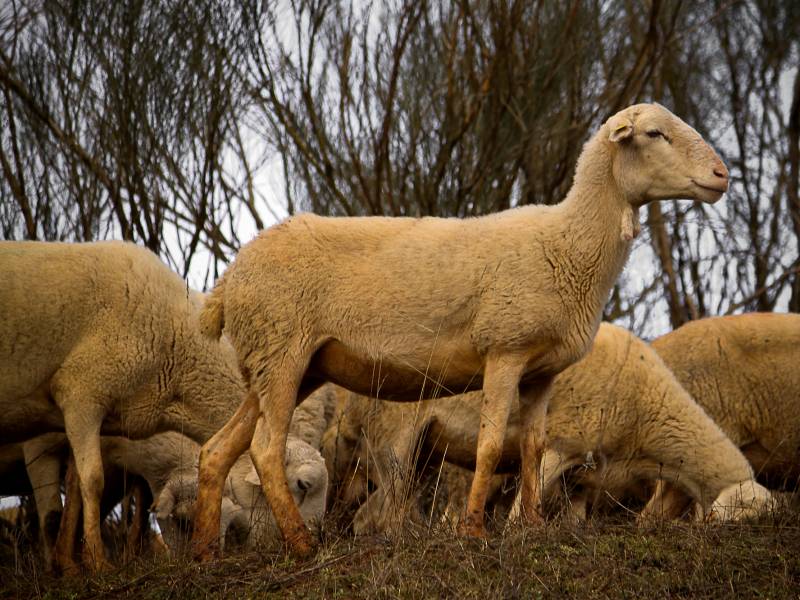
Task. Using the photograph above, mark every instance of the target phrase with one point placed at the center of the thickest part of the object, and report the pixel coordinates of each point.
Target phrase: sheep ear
(252, 477)
(165, 504)
(621, 128)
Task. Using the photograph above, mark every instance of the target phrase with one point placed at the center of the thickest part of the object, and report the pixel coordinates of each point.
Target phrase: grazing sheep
(168, 463)
(413, 308)
(103, 337)
(618, 405)
(308, 483)
(744, 371)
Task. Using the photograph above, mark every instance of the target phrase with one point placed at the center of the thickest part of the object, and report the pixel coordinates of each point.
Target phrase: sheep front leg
(534, 398)
(667, 502)
(63, 560)
(82, 422)
(500, 390)
(216, 459)
(553, 465)
(385, 509)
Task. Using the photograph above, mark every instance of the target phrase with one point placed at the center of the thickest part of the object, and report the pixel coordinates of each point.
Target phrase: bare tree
(117, 118)
(160, 123)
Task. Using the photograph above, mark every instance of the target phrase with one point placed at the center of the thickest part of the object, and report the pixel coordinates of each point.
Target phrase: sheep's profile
(412, 308)
(744, 370)
(620, 406)
(104, 337)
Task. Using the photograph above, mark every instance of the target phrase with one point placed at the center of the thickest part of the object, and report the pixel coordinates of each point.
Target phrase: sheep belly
(398, 377)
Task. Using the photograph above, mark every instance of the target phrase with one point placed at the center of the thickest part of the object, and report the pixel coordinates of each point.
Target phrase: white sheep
(411, 308)
(620, 405)
(103, 337)
(744, 370)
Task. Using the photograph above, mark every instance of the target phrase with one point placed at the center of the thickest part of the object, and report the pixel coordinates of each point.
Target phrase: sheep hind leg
(216, 459)
(534, 399)
(279, 396)
(500, 390)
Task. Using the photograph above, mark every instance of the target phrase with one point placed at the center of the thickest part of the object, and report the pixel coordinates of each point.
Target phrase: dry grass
(607, 558)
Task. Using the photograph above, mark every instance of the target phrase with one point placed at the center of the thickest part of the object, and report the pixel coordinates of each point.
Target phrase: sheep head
(308, 484)
(745, 500)
(656, 156)
(308, 480)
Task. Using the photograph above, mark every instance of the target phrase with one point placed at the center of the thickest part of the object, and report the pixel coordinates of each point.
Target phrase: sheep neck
(592, 215)
(208, 391)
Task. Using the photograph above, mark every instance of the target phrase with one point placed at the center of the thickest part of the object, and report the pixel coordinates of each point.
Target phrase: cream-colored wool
(618, 407)
(744, 370)
(103, 337)
(408, 308)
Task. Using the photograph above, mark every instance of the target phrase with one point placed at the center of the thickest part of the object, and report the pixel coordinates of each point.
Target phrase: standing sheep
(744, 371)
(104, 337)
(619, 405)
(409, 308)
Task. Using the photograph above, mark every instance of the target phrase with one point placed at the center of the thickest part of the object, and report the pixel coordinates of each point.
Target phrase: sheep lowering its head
(411, 308)
(103, 337)
(743, 370)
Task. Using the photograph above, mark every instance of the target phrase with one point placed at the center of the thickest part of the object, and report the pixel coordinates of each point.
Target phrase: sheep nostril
(303, 484)
(721, 173)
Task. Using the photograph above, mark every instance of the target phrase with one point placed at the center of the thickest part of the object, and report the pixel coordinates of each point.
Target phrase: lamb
(103, 337)
(168, 463)
(619, 405)
(502, 302)
(743, 370)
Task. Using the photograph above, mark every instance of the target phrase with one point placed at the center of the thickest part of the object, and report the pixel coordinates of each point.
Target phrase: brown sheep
(413, 308)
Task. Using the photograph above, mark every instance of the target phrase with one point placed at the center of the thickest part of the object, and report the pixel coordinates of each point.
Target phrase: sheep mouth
(711, 188)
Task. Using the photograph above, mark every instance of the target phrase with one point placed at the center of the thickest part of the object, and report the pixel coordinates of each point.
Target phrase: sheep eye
(654, 133)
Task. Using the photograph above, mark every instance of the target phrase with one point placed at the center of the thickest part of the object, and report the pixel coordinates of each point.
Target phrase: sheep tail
(212, 316)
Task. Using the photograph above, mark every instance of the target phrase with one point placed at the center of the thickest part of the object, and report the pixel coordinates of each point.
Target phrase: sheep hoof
(204, 550)
(471, 527)
(301, 544)
(66, 568)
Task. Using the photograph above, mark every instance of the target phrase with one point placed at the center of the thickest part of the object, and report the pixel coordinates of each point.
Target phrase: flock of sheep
(484, 333)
